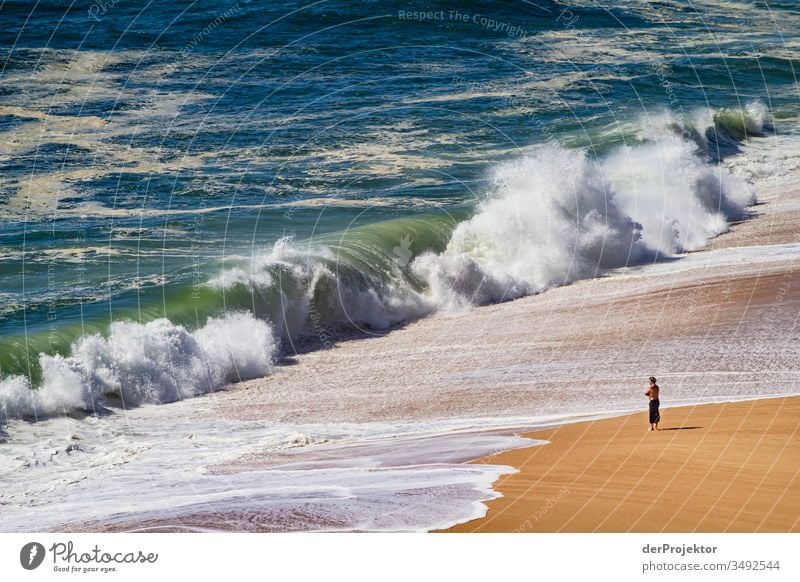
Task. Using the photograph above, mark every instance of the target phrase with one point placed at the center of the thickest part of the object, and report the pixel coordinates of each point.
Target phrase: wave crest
(547, 219)
(155, 362)
(558, 216)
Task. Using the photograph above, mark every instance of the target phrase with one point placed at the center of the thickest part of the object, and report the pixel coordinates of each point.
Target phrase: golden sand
(731, 467)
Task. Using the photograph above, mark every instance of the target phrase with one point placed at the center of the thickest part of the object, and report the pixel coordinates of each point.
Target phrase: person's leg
(655, 417)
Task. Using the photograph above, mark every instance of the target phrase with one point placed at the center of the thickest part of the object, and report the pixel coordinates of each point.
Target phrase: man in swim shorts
(652, 392)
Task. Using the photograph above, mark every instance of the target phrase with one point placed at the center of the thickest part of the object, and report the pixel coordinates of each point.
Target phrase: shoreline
(704, 325)
(723, 309)
(724, 467)
(524, 491)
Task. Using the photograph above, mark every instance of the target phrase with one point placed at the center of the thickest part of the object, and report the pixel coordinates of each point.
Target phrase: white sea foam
(338, 476)
(557, 216)
(548, 219)
(138, 363)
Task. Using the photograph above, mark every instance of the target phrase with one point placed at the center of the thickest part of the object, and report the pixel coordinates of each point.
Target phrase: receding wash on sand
(299, 265)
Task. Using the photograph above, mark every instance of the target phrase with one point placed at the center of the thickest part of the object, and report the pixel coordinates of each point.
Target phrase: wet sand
(731, 467)
(709, 327)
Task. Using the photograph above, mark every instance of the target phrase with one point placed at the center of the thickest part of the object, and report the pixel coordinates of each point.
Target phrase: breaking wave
(558, 216)
(547, 219)
(135, 364)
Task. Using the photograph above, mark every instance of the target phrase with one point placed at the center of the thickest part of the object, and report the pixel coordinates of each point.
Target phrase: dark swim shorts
(654, 415)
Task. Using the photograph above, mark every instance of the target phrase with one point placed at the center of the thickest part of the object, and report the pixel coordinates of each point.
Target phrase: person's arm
(647, 393)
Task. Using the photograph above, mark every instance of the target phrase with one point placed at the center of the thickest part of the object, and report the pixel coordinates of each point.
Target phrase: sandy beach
(731, 467)
(713, 326)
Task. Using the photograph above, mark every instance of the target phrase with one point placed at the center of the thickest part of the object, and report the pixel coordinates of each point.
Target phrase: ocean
(194, 194)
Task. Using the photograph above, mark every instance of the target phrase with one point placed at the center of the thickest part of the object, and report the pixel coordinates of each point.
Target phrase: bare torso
(652, 392)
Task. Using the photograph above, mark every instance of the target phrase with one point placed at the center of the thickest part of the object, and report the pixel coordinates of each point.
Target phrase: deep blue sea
(190, 190)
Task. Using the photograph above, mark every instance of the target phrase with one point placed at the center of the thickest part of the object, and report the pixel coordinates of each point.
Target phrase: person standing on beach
(652, 392)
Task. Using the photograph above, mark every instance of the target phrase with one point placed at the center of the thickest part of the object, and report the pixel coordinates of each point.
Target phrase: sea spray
(546, 219)
(549, 219)
(557, 216)
(350, 280)
(137, 363)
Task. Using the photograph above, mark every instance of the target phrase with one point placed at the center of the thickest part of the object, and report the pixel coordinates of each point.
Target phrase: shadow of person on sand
(681, 428)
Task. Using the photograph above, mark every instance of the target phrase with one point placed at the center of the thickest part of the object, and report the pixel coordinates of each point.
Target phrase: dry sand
(714, 468)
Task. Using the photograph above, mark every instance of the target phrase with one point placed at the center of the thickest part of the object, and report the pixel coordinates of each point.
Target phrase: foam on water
(546, 220)
(312, 477)
(557, 216)
(64, 473)
(138, 363)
